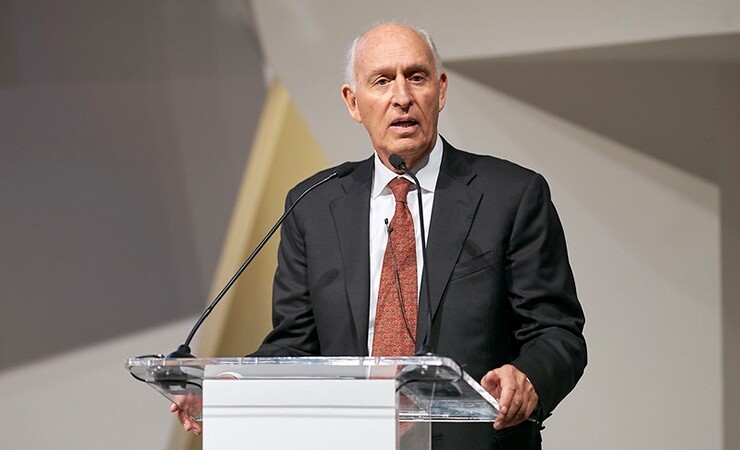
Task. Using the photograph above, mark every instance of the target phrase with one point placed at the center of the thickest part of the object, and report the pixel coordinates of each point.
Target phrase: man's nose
(401, 93)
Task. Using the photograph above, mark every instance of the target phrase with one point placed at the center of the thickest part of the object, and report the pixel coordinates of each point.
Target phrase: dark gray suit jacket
(501, 286)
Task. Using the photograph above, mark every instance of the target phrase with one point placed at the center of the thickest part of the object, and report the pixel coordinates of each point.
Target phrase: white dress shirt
(382, 207)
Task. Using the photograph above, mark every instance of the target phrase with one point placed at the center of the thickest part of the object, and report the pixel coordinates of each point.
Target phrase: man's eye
(382, 82)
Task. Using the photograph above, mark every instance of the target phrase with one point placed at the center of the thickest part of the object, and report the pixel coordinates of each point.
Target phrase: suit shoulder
(348, 171)
(490, 167)
(311, 180)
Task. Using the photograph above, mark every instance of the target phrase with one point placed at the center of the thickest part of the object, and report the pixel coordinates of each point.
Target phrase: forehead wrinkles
(383, 50)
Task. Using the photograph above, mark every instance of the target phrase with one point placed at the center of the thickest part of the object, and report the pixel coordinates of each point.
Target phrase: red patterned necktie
(395, 316)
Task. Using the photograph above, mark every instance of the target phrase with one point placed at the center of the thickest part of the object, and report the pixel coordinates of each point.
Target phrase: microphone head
(344, 169)
(183, 351)
(397, 162)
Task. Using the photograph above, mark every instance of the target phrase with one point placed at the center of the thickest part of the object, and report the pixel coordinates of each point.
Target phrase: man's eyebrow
(424, 68)
(414, 68)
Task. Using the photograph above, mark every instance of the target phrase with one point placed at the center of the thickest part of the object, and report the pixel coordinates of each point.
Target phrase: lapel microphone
(183, 351)
(399, 164)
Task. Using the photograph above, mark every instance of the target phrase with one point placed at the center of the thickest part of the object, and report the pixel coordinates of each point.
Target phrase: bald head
(355, 49)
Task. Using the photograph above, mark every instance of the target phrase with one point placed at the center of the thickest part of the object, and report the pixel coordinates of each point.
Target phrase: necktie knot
(400, 188)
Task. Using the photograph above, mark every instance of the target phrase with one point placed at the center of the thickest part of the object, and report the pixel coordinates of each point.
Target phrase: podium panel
(318, 402)
(312, 414)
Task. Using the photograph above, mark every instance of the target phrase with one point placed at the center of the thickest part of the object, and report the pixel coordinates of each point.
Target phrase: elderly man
(502, 293)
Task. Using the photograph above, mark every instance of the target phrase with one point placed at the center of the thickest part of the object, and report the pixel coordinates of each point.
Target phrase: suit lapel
(455, 204)
(351, 220)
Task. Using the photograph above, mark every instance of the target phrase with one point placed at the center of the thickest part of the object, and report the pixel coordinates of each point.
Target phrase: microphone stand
(183, 350)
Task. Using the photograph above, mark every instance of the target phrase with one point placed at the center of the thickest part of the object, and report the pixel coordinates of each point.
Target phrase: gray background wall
(125, 128)
(125, 131)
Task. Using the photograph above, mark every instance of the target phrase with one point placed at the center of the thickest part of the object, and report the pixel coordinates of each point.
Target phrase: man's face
(398, 94)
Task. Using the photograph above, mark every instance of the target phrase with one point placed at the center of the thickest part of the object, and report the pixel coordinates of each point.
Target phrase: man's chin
(409, 150)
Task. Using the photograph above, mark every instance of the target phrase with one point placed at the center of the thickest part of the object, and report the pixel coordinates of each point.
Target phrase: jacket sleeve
(543, 297)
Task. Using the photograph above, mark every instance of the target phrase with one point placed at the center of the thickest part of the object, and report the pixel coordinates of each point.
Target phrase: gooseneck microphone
(399, 164)
(183, 351)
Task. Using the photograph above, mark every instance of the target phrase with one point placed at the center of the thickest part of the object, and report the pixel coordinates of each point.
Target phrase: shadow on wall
(662, 98)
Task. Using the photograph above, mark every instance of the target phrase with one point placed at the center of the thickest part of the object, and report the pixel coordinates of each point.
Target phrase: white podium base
(294, 414)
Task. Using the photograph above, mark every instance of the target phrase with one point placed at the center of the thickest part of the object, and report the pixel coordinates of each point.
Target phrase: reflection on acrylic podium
(314, 403)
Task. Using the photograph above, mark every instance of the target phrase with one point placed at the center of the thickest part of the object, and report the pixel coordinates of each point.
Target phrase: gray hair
(350, 59)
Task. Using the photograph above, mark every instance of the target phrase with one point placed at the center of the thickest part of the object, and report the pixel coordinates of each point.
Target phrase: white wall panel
(87, 400)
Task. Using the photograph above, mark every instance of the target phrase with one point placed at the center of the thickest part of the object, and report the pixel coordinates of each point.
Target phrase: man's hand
(514, 392)
(182, 408)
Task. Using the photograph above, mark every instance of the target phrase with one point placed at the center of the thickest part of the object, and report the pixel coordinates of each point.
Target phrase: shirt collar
(426, 171)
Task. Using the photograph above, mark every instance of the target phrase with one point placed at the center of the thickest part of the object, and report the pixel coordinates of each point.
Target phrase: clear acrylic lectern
(318, 402)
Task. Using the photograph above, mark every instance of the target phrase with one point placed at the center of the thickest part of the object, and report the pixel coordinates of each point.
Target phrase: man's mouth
(404, 123)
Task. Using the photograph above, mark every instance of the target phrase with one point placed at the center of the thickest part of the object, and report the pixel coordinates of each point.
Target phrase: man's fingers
(508, 407)
(512, 413)
(532, 404)
(516, 407)
(188, 424)
(492, 383)
(514, 392)
(504, 402)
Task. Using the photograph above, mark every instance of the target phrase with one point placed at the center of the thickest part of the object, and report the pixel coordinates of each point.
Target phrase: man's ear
(442, 90)
(351, 101)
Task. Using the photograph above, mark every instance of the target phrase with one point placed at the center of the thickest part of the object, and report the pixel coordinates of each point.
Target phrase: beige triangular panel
(283, 153)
